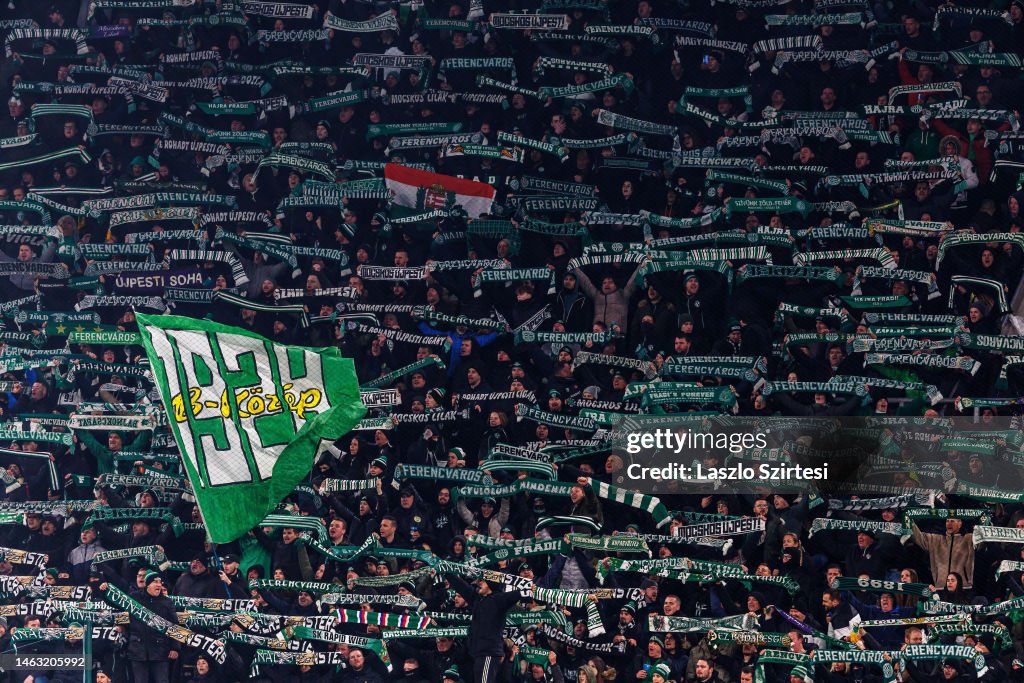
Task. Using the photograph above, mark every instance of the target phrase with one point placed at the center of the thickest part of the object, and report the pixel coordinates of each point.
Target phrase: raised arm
(631, 286)
(503, 512)
(463, 510)
(585, 284)
(923, 540)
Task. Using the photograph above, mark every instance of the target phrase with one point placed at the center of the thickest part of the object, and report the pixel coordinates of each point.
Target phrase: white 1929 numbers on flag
(233, 421)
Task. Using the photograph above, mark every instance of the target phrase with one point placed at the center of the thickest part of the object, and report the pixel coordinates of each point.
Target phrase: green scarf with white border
(753, 271)
(924, 360)
(586, 358)
(959, 239)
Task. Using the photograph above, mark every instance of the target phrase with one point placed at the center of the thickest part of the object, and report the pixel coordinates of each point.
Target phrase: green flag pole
(87, 652)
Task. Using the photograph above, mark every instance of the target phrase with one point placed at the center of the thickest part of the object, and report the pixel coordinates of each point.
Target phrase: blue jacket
(455, 357)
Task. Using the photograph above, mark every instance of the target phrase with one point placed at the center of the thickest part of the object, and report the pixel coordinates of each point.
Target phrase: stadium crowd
(753, 208)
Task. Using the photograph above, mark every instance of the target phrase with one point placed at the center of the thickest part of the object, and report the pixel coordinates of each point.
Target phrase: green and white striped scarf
(335, 485)
(541, 469)
(70, 34)
(650, 504)
(311, 525)
(266, 244)
(237, 269)
(882, 256)
(80, 155)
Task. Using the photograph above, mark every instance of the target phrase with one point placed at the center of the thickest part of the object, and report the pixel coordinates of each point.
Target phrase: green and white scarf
(114, 515)
(237, 269)
(650, 504)
(916, 228)
(586, 358)
(395, 375)
(382, 22)
(882, 256)
(613, 120)
(822, 524)
(990, 343)
(561, 338)
(849, 583)
(925, 360)
(997, 534)
(617, 81)
(661, 624)
(175, 632)
(755, 271)
(536, 486)
(622, 543)
(581, 644)
(404, 471)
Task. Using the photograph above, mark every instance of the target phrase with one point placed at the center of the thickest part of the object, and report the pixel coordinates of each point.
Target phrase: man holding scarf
(486, 645)
(951, 552)
(150, 651)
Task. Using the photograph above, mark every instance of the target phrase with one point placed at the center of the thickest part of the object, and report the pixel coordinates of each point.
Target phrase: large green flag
(249, 415)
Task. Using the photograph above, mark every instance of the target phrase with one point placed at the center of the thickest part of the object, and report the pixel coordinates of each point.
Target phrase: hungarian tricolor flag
(424, 190)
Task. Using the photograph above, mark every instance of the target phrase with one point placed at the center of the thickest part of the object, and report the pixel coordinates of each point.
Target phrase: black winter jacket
(488, 623)
(144, 643)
